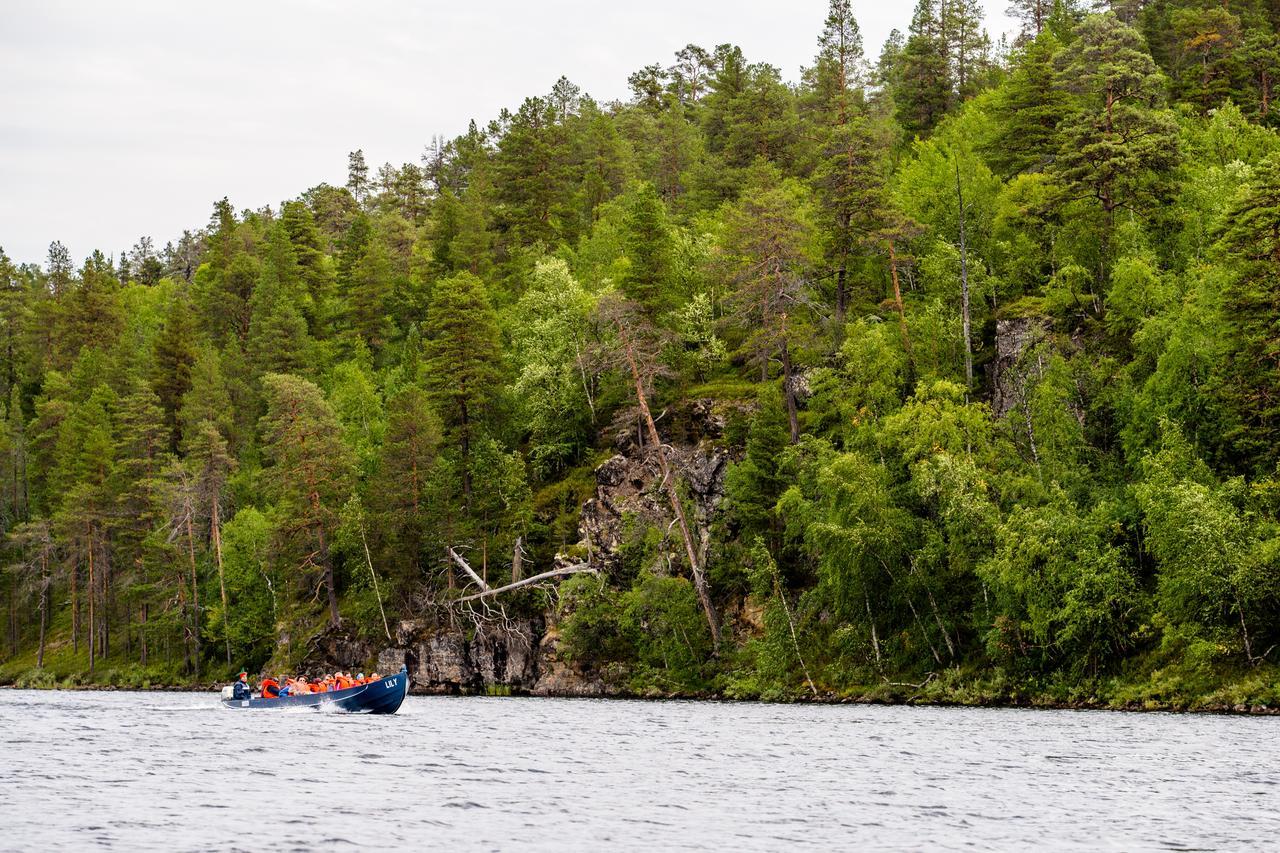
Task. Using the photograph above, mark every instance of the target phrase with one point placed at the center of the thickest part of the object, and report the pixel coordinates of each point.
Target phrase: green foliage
(673, 642)
(305, 406)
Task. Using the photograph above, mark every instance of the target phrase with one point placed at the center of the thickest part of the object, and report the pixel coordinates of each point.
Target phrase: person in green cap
(240, 690)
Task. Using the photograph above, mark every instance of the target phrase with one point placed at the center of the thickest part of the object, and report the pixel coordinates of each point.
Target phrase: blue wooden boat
(383, 696)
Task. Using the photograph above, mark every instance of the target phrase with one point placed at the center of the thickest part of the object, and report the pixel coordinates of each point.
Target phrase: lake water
(176, 772)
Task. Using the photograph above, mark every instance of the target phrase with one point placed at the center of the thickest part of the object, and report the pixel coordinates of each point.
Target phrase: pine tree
(691, 73)
(849, 180)
(84, 458)
(1206, 55)
(1030, 103)
(922, 72)
(212, 464)
(1033, 14)
(174, 353)
(143, 439)
(15, 314)
(967, 44)
(409, 453)
(764, 253)
(1250, 378)
(1118, 146)
(91, 314)
(315, 271)
(207, 400)
(278, 336)
(60, 269)
(224, 283)
(647, 238)
(309, 475)
(370, 287)
(1261, 59)
(835, 79)
(463, 353)
(358, 176)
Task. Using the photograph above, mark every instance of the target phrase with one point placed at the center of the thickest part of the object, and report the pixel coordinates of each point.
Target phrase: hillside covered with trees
(993, 330)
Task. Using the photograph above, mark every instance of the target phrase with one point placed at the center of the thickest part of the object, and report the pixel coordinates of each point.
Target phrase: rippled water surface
(175, 771)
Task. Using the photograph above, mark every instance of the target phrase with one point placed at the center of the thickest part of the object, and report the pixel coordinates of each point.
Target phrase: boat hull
(383, 696)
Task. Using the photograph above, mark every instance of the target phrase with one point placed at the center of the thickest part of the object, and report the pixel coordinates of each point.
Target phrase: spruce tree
(462, 360)
(647, 238)
(174, 354)
(1030, 103)
(922, 72)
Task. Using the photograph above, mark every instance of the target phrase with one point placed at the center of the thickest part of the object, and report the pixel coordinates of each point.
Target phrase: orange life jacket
(270, 688)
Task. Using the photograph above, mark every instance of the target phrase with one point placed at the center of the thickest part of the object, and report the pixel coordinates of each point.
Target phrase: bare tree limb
(466, 568)
(554, 573)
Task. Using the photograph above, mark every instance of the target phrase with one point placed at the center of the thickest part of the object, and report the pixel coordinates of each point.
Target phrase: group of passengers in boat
(273, 688)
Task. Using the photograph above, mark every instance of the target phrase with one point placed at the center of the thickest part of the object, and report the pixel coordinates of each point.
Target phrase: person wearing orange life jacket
(269, 687)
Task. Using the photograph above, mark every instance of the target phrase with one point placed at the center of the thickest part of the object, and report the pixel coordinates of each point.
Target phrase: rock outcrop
(1016, 363)
(628, 486)
(521, 655)
(444, 659)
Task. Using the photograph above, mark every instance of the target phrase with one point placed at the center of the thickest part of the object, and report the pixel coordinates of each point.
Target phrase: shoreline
(1216, 709)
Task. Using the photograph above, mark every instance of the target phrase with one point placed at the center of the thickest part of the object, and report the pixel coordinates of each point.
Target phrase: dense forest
(993, 330)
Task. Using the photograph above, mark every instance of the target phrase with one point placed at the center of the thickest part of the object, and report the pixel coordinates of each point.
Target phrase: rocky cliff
(520, 655)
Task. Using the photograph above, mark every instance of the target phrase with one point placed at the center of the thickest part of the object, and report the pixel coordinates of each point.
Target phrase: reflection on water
(175, 771)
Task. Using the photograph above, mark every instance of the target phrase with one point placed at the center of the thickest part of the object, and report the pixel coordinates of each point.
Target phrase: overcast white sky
(131, 118)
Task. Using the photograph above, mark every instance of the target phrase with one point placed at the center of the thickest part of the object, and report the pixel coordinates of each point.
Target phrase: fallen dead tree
(487, 591)
(534, 579)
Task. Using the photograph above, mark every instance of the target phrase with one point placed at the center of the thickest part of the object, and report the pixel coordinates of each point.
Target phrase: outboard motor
(228, 692)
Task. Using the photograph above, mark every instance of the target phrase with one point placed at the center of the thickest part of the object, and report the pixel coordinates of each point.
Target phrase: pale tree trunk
(44, 605)
(517, 560)
(215, 533)
(195, 589)
(964, 286)
(334, 619)
(369, 560)
(875, 637)
(75, 607)
(695, 568)
(897, 299)
(789, 390)
(92, 624)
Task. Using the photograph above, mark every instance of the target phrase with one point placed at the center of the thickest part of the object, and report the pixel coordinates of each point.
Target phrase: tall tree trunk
(517, 560)
(964, 285)
(44, 604)
(195, 589)
(875, 638)
(789, 392)
(668, 482)
(142, 637)
(108, 601)
(215, 533)
(75, 607)
(897, 299)
(327, 563)
(92, 624)
(369, 560)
